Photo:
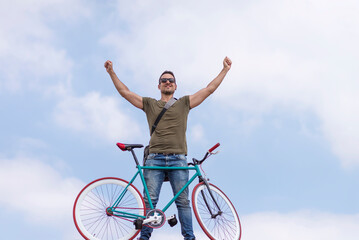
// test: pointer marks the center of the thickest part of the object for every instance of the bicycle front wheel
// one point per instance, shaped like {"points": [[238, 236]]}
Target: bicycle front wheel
{"points": [[90, 213], [219, 224]]}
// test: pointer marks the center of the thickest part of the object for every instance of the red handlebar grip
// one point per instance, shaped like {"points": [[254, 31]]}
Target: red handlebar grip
{"points": [[214, 147]]}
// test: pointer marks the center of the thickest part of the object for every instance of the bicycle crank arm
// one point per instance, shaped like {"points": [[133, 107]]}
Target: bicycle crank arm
{"points": [[152, 219], [171, 217]]}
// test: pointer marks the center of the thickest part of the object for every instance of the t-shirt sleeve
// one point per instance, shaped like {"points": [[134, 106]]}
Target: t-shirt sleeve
{"points": [[145, 103], [186, 101]]}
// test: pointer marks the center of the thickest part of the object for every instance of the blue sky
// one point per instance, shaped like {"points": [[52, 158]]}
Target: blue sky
{"points": [[286, 115]]}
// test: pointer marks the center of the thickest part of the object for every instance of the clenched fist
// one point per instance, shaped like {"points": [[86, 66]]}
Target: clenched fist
{"points": [[108, 66], [227, 63]]}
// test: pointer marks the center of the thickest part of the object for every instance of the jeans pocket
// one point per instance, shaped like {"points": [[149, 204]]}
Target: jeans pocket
{"points": [[148, 162], [182, 157], [150, 159]]}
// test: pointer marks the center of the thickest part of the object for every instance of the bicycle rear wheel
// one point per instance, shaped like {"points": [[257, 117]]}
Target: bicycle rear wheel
{"points": [[216, 225], [90, 210]]}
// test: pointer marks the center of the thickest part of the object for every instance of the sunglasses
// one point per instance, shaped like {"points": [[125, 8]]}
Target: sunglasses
{"points": [[164, 80]]}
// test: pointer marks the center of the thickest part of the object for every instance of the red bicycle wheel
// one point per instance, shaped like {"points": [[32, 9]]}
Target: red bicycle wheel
{"points": [[90, 210], [223, 224]]}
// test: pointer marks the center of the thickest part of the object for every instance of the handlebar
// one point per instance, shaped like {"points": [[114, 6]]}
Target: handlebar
{"points": [[130, 147], [208, 153], [214, 147]]}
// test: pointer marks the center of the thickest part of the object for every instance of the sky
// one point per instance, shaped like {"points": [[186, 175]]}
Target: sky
{"points": [[286, 114]]}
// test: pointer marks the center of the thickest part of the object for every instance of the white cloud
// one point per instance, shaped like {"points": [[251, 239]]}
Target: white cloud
{"points": [[300, 225], [276, 226], [298, 56], [30, 56], [96, 115], [197, 132], [37, 191]]}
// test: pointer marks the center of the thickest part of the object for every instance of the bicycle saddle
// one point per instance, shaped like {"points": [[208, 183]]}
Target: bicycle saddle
{"points": [[128, 147]]}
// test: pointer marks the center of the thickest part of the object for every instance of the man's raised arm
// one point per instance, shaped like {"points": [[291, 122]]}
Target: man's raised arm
{"points": [[197, 98], [132, 97]]}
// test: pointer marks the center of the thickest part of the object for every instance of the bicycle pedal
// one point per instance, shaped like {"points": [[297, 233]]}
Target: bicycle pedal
{"points": [[138, 223], [172, 220]]}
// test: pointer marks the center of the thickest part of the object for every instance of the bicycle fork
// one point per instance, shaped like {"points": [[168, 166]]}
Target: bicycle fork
{"points": [[213, 215]]}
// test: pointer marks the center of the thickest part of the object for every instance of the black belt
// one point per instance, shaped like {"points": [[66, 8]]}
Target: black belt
{"points": [[169, 154]]}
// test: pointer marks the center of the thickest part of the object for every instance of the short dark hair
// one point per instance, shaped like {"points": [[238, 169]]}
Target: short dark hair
{"points": [[165, 72]]}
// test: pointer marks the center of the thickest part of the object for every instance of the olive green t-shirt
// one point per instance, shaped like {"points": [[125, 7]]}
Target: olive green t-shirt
{"points": [[170, 133]]}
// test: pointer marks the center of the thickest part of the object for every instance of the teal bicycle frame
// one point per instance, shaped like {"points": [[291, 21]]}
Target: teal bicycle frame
{"points": [[123, 214], [113, 208]]}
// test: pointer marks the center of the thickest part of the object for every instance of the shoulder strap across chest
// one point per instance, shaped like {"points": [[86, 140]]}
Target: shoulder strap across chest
{"points": [[167, 106]]}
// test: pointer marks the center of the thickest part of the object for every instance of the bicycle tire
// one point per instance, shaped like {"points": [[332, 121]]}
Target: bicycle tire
{"points": [[225, 226], [90, 216]]}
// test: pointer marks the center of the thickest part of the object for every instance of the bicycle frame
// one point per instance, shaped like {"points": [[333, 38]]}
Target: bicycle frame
{"points": [[126, 212], [123, 214]]}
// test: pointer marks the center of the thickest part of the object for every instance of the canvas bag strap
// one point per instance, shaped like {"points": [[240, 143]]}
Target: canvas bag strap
{"points": [[167, 106]]}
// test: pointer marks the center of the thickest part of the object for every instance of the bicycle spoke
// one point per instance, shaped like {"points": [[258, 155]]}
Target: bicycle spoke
{"points": [[90, 210], [222, 223]]}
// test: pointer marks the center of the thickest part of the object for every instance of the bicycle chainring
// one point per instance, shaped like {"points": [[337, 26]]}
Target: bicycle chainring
{"points": [[158, 216]]}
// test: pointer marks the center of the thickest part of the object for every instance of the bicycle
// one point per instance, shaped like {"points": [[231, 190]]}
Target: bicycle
{"points": [[113, 208]]}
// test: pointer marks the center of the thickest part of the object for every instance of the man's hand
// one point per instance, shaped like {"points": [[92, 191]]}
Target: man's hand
{"points": [[132, 97], [197, 98], [227, 63], [108, 66]]}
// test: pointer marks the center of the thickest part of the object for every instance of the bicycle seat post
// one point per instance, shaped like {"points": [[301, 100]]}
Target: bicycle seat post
{"points": [[134, 156]]}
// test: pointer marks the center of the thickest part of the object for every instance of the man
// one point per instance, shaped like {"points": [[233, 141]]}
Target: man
{"points": [[168, 146]]}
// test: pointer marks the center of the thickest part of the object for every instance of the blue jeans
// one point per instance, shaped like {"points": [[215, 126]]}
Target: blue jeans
{"points": [[177, 178]]}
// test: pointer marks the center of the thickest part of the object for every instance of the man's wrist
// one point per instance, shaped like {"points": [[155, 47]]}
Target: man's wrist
{"points": [[225, 70]]}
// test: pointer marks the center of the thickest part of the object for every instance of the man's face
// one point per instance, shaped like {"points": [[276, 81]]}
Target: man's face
{"points": [[167, 87]]}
